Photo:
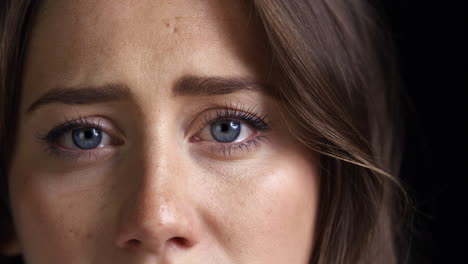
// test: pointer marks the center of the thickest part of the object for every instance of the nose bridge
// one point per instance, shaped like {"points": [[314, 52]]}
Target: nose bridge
{"points": [[159, 211], [155, 149]]}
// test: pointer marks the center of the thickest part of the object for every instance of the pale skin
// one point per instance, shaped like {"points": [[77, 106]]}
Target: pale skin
{"points": [[159, 188]]}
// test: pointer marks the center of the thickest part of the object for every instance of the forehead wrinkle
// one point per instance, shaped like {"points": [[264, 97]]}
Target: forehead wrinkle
{"points": [[96, 40]]}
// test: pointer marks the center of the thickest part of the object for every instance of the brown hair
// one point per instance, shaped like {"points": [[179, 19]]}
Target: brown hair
{"points": [[14, 28], [336, 81]]}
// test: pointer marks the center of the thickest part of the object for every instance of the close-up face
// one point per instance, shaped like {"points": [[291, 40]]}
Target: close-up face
{"points": [[148, 134]]}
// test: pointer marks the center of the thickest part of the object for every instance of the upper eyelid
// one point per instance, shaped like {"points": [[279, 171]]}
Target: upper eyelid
{"points": [[65, 127], [235, 114], [206, 115], [239, 114]]}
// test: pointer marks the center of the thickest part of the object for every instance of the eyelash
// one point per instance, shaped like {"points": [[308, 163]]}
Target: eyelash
{"points": [[256, 120], [56, 133], [51, 138]]}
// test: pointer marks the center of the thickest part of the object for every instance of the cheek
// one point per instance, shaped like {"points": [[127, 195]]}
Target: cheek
{"points": [[53, 221], [288, 204], [287, 208], [273, 216]]}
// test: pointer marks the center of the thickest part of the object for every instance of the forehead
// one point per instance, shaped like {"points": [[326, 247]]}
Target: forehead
{"points": [[93, 41], [98, 19]]}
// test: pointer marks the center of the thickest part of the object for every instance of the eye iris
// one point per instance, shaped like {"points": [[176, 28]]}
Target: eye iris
{"points": [[225, 130], [87, 138]]}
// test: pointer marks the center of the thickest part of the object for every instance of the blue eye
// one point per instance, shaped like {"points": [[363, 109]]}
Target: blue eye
{"points": [[225, 130], [87, 138]]}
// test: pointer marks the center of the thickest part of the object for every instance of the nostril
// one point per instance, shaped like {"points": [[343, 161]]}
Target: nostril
{"points": [[175, 241], [134, 243], [180, 241]]}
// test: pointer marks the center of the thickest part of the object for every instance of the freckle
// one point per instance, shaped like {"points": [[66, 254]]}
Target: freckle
{"points": [[72, 232], [167, 24], [89, 236]]}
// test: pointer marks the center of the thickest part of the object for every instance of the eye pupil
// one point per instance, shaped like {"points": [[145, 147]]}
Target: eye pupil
{"points": [[224, 127], [225, 130], [87, 138], [88, 134]]}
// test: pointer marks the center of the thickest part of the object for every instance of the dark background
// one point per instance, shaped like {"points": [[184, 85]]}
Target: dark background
{"points": [[432, 59]]}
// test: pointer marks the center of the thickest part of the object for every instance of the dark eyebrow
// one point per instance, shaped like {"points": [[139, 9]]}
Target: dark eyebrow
{"points": [[83, 95], [185, 86], [206, 86]]}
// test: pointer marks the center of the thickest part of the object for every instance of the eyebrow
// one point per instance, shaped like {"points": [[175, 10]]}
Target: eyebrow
{"points": [[208, 86], [82, 95], [185, 86]]}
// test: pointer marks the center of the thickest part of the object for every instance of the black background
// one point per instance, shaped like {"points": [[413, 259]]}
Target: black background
{"points": [[432, 59]]}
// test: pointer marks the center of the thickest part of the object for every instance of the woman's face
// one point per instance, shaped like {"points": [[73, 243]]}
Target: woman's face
{"points": [[147, 135]]}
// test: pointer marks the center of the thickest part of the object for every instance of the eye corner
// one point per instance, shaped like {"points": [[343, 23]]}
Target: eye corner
{"points": [[194, 139]]}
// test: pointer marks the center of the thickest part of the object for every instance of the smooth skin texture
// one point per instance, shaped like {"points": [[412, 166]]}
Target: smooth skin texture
{"points": [[159, 189]]}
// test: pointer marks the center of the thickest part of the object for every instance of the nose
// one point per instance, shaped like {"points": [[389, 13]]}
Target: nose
{"points": [[159, 215]]}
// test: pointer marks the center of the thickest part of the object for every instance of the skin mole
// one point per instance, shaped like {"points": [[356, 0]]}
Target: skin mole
{"points": [[171, 24]]}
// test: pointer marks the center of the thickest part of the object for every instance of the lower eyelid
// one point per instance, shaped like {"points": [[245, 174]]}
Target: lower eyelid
{"points": [[58, 151], [233, 150], [80, 156]]}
